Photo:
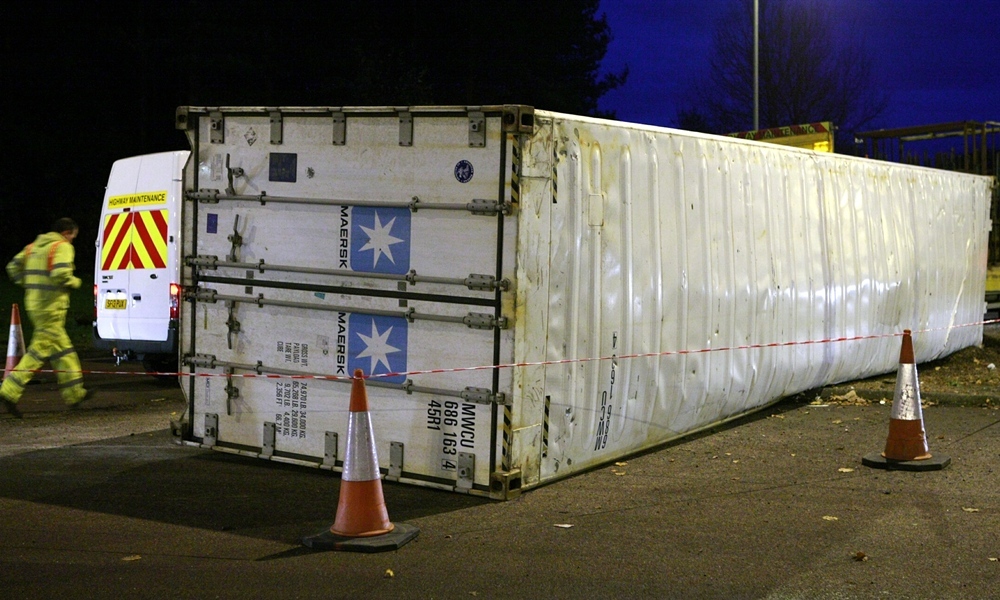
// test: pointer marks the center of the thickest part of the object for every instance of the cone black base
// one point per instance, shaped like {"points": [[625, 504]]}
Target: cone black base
{"points": [[875, 460], [394, 540]]}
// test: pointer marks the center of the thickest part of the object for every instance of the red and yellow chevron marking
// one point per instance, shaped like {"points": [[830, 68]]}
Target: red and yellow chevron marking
{"points": [[134, 240]]}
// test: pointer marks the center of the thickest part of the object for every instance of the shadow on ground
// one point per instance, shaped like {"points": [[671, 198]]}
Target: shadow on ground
{"points": [[149, 477]]}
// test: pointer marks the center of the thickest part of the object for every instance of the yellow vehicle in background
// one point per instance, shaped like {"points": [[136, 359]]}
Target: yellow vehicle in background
{"points": [[993, 289], [811, 136]]}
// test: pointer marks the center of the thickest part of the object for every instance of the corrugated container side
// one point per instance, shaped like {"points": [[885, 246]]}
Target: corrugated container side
{"points": [[690, 254]]}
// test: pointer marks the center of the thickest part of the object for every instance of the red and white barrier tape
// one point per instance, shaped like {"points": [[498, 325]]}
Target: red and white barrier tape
{"points": [[564, 361]]}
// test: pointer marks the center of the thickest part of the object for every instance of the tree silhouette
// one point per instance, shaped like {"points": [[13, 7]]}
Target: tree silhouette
{"points": [[92, 82], [806, 72]]}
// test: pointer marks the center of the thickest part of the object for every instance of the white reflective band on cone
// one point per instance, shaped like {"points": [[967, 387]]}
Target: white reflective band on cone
{"points": [[361, 462], [906, 401]]}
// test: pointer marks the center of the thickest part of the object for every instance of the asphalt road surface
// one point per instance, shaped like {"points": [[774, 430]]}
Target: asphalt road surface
{"points": [[102, 503]]}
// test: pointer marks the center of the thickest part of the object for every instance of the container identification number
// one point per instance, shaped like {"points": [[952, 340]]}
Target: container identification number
{"points": [[457, 424]]}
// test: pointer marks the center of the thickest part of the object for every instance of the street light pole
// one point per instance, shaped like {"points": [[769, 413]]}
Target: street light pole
{"points": [[756, 65]]}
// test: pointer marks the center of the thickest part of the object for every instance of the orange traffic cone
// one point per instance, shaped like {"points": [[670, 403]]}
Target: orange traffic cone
{"points": [[906, 447], [15, 342], [362, 522]]}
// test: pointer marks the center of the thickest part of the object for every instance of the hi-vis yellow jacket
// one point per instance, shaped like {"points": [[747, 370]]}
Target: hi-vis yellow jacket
{"points": [[45, 270]]}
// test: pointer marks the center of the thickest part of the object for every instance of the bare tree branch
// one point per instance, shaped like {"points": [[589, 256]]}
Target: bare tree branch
{"points": [[807, 73]]}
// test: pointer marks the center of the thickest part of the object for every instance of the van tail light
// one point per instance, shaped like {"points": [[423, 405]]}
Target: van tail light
{"points": [[175, 300], [95, 301]]}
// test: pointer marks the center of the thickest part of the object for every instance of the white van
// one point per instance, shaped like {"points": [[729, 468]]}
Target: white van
{"points": [[137, 265]]}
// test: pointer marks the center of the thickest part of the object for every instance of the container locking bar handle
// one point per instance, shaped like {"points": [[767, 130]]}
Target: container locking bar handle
{"points": [[471, 320], [476, 207], [472, 395], [236, 239], [474, 281]]}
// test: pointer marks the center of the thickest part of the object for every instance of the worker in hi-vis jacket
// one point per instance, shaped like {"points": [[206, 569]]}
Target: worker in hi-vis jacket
{"points": [[45, 270]]}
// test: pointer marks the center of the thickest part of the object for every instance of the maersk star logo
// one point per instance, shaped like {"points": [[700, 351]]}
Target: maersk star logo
{"points": [[380, 239], [377, 345]]}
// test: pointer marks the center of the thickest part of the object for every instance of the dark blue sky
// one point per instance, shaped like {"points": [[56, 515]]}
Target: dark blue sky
{"points": [[939, 59]]}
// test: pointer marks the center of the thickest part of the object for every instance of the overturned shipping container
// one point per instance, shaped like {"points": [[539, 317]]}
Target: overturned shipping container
{"points": [[534, 293]]}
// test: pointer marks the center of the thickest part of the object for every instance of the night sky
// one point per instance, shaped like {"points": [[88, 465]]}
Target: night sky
{"points": [[80, 90], [938, 59]]}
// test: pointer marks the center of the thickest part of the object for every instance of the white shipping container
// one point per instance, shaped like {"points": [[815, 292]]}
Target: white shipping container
{"points": [[533, 293]]}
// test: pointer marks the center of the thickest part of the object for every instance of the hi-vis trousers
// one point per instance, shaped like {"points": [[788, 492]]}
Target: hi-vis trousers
{"points": [[48, 342]]}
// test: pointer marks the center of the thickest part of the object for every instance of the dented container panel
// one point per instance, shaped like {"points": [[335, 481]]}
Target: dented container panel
{"points": [[692, 265]]}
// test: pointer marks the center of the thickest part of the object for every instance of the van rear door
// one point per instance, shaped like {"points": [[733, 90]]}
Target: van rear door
{"points": [[136, 259]]}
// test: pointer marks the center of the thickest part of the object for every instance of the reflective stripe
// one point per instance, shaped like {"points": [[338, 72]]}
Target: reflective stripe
{"points": [[35, 355], [14, 381], [906, 401], [52, 251], [42, 286], [361, 461], [69, 384], [38, 272], [63, 353], [62, 266]]}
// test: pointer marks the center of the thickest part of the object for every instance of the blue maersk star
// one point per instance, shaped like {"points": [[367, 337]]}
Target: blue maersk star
{"points": [[377, 347], [380, 238]]}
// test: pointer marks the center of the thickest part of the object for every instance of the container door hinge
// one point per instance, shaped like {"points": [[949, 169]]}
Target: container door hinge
{"points": [[485, 283], [477, 129], [395, 461], [204, 196], [217, 127], [489, 208], [276, 128], [207, 296], [267, 444], [205, 261], [339, 129], [484, 321], [405, 128], [202, 360], [330, 449], [477, 395], [211, 429], [466, 471]]}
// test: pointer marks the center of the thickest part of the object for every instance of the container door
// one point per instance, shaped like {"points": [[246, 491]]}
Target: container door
{"points": [[369, 242]]}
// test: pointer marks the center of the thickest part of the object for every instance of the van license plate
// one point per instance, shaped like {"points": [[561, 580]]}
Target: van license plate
{"points": [[114, 304]]}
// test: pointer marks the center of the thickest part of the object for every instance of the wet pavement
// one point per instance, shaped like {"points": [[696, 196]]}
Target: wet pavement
{"points": [[102, 502]]}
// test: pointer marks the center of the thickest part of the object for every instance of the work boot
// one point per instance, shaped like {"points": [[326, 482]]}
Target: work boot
{"points": [[11, 406], [76, 403]]}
